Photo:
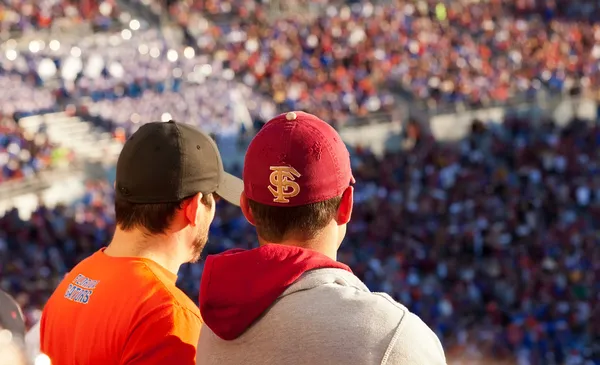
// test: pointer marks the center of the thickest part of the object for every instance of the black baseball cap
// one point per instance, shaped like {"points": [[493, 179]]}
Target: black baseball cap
{"points": [[11, 317], [167, 162]]}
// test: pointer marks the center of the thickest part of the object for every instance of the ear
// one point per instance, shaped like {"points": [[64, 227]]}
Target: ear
{"points": [[246, 209], [190, 209], [344, 212]]}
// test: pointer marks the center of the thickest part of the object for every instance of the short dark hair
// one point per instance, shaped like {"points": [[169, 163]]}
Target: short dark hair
{"points": [[153, 218], [275, 224]]}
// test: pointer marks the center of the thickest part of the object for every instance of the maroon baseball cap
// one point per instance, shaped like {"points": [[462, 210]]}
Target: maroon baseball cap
{"points": [[296, 159]]}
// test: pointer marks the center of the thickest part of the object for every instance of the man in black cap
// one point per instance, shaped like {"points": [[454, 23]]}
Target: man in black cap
{"points": [[121, 305]]}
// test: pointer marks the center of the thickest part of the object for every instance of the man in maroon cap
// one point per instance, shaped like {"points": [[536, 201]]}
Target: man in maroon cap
{"points": [[289, 301]]}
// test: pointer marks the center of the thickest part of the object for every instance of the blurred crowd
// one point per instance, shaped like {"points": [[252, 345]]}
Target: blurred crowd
{"points": [[19, 95], [22, 154], [181, 10], [340, 63], [498, 248], [338, 59], [471, 52], [494, 241], [324, 66], [33, 253], [28, 15], [210, 105], [119, 77]]}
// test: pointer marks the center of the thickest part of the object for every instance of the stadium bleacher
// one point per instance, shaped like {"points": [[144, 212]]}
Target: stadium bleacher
{"points": [[21, 154], [25, 152], [491, 239], [493, 52]]}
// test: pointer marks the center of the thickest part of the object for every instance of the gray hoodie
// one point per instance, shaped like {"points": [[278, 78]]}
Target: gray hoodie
{"points": [[285, 305]]}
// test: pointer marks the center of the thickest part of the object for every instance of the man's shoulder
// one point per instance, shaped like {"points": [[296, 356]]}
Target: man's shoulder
{"points": [[134, 285], [343, 313], [343, 286], [375, 320], [375, 308], [375, 311], [414, 342], [334, 293], [60, 292], [161, 293]]}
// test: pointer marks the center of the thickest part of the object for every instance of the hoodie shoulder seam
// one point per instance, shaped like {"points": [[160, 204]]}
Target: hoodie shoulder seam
{"points": [[394, 339], [348, 283], [340, 280], [391, 301]]}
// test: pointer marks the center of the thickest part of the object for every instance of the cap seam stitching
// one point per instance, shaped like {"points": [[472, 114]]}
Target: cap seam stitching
{"points": [[132, 153], [331, 154], [289, 139]]}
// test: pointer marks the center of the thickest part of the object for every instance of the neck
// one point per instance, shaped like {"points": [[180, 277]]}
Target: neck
{"points": [[325, 243], [158, 248]]}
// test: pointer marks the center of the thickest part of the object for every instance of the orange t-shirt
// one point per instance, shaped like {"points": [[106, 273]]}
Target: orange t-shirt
{"points": [[119, 310]]}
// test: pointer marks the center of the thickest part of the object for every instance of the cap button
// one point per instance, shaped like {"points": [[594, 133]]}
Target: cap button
{"points": [[291, 116]]}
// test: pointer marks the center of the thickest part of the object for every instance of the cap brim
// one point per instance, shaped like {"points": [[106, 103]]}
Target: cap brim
{"points": [[231, 189]]}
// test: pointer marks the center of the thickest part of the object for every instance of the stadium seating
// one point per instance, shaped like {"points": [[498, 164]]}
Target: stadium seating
{"points": [[81, 137], [23, 153], [438, 53], [123, 74]]}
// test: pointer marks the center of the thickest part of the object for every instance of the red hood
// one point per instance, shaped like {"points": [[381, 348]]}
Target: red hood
{"points": [[239, 285]]}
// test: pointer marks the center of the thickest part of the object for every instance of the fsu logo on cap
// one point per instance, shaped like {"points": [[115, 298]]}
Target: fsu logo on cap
{"points": [[283, 185]]}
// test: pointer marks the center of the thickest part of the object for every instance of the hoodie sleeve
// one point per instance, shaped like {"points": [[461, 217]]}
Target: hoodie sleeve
{"points": [[414, 343]]}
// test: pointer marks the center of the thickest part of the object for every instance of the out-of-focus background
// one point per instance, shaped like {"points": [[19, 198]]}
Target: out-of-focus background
{"points": [[473, 126]]}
